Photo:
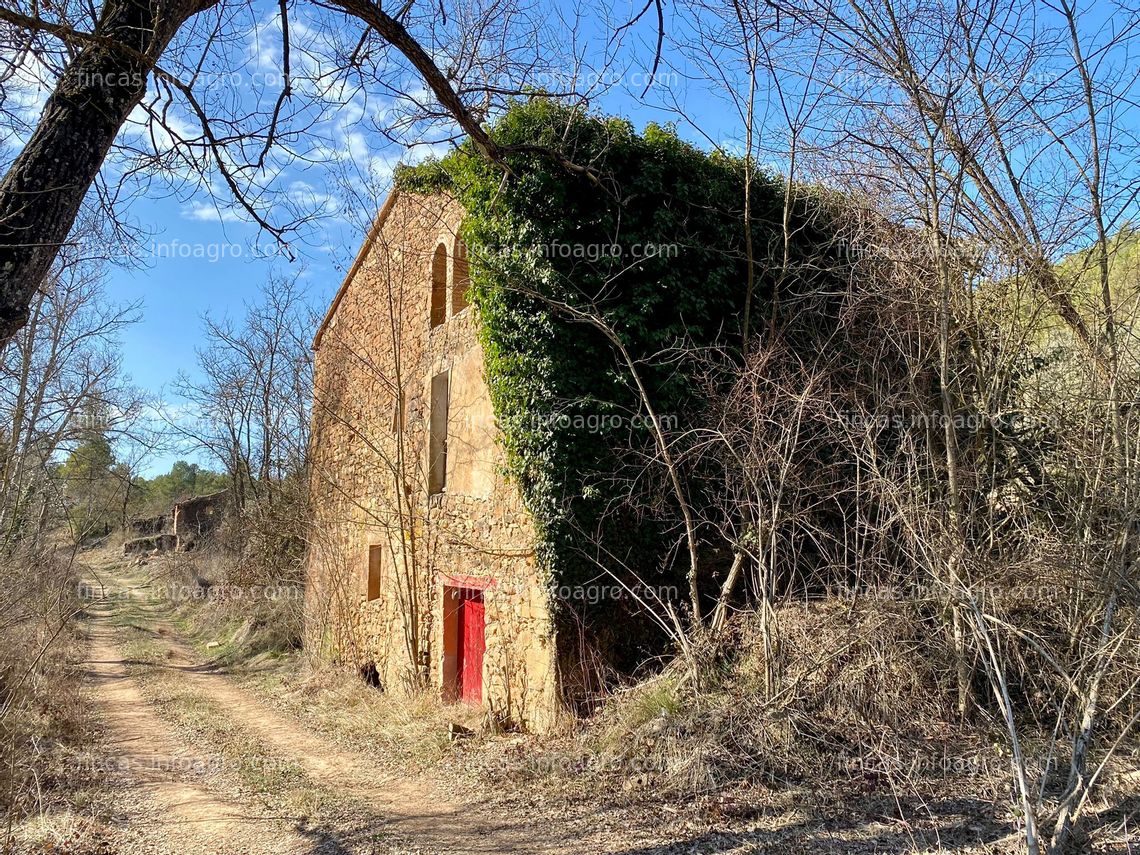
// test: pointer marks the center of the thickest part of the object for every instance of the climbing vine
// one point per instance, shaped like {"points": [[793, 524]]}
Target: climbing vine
{"points": [[655, 249]]}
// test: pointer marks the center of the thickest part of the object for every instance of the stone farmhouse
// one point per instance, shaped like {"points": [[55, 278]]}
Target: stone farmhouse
{"points": [[422, 571]]}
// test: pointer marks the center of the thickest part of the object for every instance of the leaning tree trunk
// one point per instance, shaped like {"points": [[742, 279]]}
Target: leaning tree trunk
{"points": [[42, 192]]}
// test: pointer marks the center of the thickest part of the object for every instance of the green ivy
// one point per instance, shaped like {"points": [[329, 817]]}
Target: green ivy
{"points": [[534, 228]]}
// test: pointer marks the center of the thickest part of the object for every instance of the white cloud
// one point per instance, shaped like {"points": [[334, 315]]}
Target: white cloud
{"points": [[206, 212]]}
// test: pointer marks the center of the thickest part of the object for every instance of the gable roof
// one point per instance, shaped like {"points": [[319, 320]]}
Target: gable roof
{"points": [[373, 232]]}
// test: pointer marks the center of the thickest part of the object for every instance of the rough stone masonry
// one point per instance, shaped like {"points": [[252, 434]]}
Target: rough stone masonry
{"points": [[418, 538]]}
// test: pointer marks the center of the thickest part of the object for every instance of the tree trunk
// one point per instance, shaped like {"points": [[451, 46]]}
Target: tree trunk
{"points": [[46, 184]]}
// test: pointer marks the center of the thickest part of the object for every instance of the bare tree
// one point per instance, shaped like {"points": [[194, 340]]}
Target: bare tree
{"points": [[249, 408], [981, 125], [61, 377], [471, 57]]}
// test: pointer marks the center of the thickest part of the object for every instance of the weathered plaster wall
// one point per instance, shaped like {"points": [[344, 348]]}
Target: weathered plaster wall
{"points": [[375, 360]]}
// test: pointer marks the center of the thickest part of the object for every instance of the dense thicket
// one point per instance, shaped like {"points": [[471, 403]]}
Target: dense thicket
{"points": [[644, 250]]}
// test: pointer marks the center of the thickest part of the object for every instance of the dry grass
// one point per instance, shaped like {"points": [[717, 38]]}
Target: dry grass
{"points": [[45, 715], [859, 723], [851, 684], [410, 731], [256, 635], [860, 702], [246, 624], [859, 717], [860, 697]]}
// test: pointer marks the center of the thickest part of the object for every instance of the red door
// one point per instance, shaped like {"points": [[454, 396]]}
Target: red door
{"points": [[469, 658]]}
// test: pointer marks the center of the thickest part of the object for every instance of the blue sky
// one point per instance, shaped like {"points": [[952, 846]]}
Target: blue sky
{"points": [[201, 253], [194, 266]]}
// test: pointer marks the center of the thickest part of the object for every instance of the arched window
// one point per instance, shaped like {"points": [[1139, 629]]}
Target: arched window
{"points": [[460, 280], [439, 286]]}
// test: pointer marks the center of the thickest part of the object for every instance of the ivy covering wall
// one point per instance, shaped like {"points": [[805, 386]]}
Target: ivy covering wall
{"points": [[655, 245]]}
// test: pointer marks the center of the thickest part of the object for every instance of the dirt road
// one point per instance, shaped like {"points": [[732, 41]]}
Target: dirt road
{"points": [[183, 793], [163, 803]]}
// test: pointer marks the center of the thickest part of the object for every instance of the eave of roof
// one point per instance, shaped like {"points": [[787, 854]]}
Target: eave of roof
{"points": [[373, 232]]}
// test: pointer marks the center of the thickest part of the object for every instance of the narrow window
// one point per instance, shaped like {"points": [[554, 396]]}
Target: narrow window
{"points": [[398, 412], [437, 439], [460, 279], [439, 286], [375, 566]]}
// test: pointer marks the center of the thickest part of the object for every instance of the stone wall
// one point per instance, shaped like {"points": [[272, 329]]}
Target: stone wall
{"points": [[147, 526], [198, 517], [376, 355], [187, 522], [150, 544]]}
